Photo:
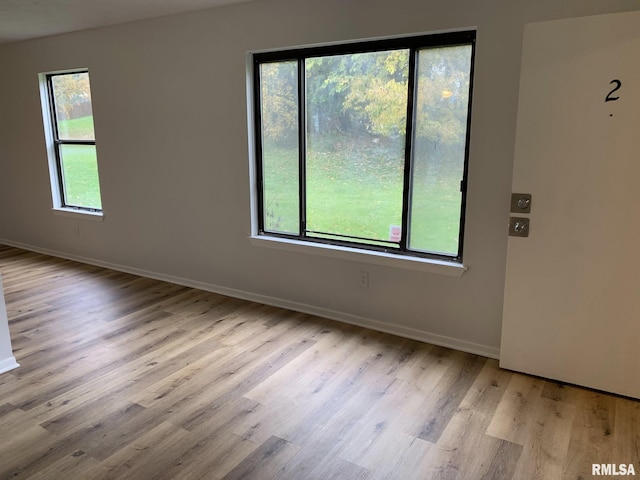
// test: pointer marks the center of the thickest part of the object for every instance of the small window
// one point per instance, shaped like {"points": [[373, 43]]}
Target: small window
{"points": [[72, 144], [365, 145]]}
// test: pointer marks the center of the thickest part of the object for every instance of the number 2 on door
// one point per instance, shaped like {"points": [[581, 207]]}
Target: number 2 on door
{"points": [[610, 97]]}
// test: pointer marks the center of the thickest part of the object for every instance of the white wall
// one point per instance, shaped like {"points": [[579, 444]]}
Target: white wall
{"points": [[169, 99]]}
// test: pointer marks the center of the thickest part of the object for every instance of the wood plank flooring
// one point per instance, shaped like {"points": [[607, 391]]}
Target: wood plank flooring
{"points": [[125, 377]]}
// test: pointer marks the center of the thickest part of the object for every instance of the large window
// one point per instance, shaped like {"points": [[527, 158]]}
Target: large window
{"points": [[69, 126], [365, 144]]}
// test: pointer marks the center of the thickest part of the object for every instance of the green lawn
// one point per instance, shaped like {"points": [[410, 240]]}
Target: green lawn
{"points": [[356, 190], [76, 128], [353, 188], [79, 164]]}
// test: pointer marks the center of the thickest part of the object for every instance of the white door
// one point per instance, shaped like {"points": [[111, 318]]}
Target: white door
{"points": [[572, 295]]}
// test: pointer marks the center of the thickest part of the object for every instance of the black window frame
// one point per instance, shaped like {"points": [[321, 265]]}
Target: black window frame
{"points": [[414, 44], [58, 142]]}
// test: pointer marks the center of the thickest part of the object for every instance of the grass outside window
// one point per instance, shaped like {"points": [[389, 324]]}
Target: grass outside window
{"points": [[366, 145], [69, 115]]}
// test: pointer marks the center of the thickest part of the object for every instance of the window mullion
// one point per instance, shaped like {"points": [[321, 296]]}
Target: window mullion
{"points": [[465, 172], [408, 148], [257, 106], [75, 142], [56, 140], [52, 109], [302, 148]]}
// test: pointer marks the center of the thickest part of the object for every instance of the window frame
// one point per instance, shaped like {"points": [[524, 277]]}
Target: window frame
{"points": [[55, 144], [413, 44]]}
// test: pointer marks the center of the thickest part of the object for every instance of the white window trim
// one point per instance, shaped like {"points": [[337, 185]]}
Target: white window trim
{"points": [[406, 262], [441, 267], [47, 121], [81, 214]]}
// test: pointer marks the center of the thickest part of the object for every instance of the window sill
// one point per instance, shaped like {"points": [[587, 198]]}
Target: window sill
{"points": [[83, 214], [440, 267]]}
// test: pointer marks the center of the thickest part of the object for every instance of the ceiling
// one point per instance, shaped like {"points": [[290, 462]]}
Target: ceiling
{"points": [[25, 19]]}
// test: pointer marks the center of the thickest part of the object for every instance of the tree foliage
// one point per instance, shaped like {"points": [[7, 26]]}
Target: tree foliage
{"points": [[70, 91], [279, 94], [367, 93], [378, 93], [443, 94]]}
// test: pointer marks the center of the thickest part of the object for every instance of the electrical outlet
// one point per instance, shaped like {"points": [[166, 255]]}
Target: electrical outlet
{"points": [[364, 279]]}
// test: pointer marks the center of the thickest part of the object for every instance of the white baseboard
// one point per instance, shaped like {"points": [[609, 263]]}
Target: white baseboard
{"points": [[402, 331], [8, 364]]}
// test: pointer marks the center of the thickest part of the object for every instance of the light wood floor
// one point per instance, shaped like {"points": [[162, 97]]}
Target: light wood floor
{"points": [[124, 377]]}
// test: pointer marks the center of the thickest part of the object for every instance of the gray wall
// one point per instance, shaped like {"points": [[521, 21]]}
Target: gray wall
{"points": [[169, 98]]}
